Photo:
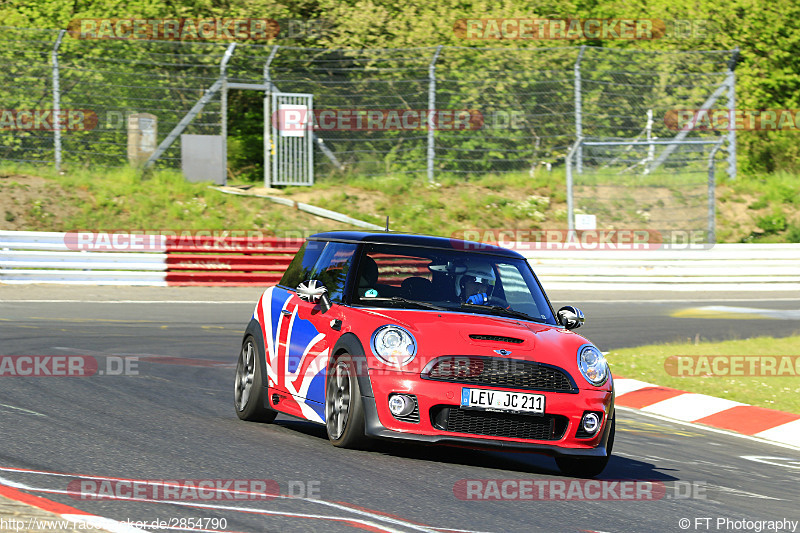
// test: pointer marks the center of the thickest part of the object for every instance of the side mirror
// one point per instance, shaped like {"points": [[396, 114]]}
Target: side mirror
{"points": [[570, 317], [313, 291]]}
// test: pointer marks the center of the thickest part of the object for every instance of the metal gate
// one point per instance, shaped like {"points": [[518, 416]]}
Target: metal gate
{"points": [[289, 151]]}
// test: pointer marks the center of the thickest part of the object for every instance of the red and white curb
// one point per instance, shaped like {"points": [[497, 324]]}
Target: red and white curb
{"points": [[65, 512], [759, 422]]}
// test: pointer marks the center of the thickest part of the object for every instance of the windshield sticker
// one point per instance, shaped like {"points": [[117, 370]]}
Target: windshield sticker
{"points": [[371, 293]]}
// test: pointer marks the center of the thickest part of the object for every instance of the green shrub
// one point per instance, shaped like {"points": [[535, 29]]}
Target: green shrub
{"points": [[772, 223], [793, 234]]}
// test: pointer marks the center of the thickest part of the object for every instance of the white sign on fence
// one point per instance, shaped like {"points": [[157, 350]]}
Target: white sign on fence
{"points": [[585, 222], [293, 120]]}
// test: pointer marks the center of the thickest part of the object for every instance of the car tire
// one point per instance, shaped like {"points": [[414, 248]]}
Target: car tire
{"points": [[249, 392], [344, 410], [587, 466]]}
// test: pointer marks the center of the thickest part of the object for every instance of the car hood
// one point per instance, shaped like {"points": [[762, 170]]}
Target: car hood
{"points": [[453, 333]]}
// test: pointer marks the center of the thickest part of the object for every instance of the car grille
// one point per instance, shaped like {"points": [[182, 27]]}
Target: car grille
{"points": [[496, 372], [509, 425]]}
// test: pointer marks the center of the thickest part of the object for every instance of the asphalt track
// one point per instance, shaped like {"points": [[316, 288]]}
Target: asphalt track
{"points": [[172, 419]]}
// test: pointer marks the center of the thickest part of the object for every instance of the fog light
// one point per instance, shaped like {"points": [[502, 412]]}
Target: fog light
{"points": [[401, 405], [590, 422]]}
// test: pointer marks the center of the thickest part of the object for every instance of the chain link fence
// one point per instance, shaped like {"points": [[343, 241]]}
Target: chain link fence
{"points": [[526, 105], [623, 185], [96, 86]]}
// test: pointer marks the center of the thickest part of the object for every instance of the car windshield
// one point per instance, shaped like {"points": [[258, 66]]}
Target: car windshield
{"points": [[452, 280]]}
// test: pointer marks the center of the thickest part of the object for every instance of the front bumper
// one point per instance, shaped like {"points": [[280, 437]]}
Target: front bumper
{"points": [[433, 395]]}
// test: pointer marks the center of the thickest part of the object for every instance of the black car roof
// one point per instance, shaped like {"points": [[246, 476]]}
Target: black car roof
{"points": [[412, 239]]}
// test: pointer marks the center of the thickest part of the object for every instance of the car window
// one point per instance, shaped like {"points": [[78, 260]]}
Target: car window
{"points": [[433, 276], [393, 272], [517, 293], [332, 267], [301, 267]]}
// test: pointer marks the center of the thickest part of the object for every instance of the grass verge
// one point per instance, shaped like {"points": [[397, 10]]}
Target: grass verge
{"points": [[764, 208], [648, 363], [38, 199]]}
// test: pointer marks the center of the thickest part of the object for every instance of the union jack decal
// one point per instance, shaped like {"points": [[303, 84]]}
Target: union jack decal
{"points": [[297, 353]]}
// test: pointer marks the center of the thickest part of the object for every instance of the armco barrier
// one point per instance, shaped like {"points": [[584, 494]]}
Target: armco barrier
{"points": [[229, 261], [37, 257], [723, 266], [44, 257]]}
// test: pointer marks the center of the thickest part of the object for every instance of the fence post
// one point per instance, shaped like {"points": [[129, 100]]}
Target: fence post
{"points": [[268, 117], [57, 103], [712, 188], [731, 81], [578, 108], [432, 111], [223, 75], [570, 203], [651, 150]]}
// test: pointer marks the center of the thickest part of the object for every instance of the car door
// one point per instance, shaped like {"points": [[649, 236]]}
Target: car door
{"points": [[274, 312], [308, 330]]}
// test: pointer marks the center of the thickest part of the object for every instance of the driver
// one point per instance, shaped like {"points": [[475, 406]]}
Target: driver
{"points": [[476, 285]]}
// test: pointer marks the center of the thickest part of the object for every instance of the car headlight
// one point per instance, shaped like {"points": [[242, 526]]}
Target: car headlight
{"points": [[593, 365], [393, 345]]}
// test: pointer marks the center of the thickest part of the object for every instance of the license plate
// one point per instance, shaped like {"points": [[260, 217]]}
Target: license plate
{"points": [[518, 402]]}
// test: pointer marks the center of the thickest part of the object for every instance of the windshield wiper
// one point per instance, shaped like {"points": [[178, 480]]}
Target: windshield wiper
{"points": [[426, 305], [518, 314]]}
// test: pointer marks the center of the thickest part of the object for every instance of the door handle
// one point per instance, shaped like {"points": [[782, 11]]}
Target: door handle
{"points": [[286, 312]]}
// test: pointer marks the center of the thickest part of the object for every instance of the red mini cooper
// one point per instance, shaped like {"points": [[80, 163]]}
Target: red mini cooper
{"points": [[398, 336]]}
